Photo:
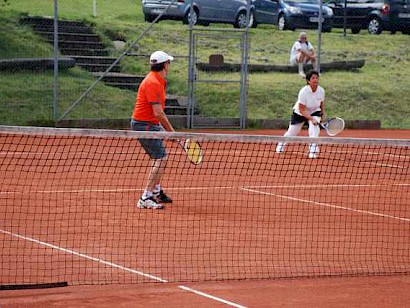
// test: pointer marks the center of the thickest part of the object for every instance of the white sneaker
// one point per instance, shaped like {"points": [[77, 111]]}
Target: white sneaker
{"points": [[312, 155], [149, 203]]}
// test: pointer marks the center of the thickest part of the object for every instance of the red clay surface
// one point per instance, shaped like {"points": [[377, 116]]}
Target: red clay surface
{"points": [[383, 291]]}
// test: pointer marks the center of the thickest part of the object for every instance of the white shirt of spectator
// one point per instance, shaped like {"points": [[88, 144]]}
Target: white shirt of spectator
{"points": [[295, 49]]}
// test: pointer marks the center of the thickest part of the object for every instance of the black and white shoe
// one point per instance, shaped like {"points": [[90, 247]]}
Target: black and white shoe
{"points": [[149, 203], [161, 197]]}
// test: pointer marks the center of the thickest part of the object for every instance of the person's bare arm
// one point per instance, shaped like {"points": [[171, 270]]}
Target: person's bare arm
{"points": [[305, 113], [162, 117]]}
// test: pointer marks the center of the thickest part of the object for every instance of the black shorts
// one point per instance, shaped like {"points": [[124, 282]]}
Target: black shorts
{"points": [[153, 147], [297, 118]]}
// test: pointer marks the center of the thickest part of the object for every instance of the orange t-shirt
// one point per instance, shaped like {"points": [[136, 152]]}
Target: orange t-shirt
{"points": [[151, 91]]}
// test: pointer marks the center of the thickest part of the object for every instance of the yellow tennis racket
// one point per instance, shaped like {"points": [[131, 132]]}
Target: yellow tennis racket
{"points": [[193, 150]]}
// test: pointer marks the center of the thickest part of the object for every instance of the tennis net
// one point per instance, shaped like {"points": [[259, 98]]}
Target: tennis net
{"points": [[68, 208]]}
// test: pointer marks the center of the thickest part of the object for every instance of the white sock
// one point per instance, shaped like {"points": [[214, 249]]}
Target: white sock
{"points": [[146, 194], [157, 188], [301, 68]]}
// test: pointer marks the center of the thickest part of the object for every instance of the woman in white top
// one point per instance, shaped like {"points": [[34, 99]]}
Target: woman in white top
{"points": [[309, 108], [302, 52]]}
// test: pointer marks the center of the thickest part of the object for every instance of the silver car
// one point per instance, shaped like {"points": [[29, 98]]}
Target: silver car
{"points": [[204, 11]]}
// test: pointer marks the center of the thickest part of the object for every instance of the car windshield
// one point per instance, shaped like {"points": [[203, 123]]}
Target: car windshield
{"points": [[305, 1]]}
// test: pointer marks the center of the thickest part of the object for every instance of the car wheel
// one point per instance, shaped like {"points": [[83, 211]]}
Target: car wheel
{"points": [[149, 18], [241, 20], [254, 24], [356, 30], [375, 26], [187, 18], [282, 25]]}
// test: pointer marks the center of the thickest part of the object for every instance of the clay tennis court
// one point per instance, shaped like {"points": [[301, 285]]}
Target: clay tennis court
{"points": [[111, 249]]}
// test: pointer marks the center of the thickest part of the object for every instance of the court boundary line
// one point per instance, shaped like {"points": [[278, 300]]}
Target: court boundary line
{"points": [[120, 190], [328, 205], [120, 267]]}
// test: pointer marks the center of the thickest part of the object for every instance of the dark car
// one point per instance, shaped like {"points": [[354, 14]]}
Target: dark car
{"points": [[204, 11], [292, 14], [373, 15]]}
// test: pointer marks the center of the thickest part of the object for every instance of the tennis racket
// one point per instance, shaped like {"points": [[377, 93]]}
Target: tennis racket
{"points": [[333, 126], [193, 150]]}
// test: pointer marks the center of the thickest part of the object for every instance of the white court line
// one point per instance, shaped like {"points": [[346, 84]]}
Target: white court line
{"points": [[328, 205], [388, 154], [385, 165], [210, 296], [120, 267], [326, 185], [116, 190], [120, 190]]}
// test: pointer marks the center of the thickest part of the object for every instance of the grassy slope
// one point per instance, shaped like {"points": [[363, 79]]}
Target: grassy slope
{"points": [[377, 91]]}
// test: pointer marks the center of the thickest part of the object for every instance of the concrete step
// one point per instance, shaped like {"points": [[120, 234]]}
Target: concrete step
{"points": [[94, 60], [176, 105], [79, 45], [45, 24], [120, 78], [176, 110], [123, 85], [84, 52], [121, 81], [99, 67], [64, 36]]}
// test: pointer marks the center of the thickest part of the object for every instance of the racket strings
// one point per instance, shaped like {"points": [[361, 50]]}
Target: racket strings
{"points": [[193, 150], [335, 126]]}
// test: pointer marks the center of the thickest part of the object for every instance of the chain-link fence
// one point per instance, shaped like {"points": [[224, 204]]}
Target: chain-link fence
{"points": [[231, 68]]}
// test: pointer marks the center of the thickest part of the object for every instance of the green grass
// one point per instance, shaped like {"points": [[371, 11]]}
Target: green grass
{"points": [[378, 91]]}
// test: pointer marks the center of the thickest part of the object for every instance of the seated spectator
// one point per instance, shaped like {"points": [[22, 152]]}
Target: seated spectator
{"points": [[302, 53]]}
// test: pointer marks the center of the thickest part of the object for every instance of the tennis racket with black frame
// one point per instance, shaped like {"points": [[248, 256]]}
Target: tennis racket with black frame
{"points": [[333, 126], [193, 150]]}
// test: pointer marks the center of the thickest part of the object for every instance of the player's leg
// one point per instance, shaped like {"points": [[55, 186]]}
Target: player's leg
{"points": [[153, 193], [156, 150], [314, 131], [155, 184], [293, 130]]}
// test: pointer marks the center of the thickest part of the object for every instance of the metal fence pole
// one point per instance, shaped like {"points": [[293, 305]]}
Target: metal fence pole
{"points": [[56, 56], [319, 33], [191, 72], [244, 70], [95, 8]]}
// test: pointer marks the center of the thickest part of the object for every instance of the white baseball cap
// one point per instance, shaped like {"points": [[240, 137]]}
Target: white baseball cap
{"points": [[160, 57]]}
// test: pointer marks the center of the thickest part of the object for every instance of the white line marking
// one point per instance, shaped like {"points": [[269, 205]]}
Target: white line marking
{"points": [[329, 205], [385, 165], [211, 297], [81, 255], [120, 267], [388, 154], [119, 190]]}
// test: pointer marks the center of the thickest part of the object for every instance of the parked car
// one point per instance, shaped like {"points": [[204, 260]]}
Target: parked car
{"points": [[373, 15], [292, 14], [204, 11]]}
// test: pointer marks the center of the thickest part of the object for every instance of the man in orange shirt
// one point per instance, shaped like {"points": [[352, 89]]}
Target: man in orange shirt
{"points": [[149, 115]]}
